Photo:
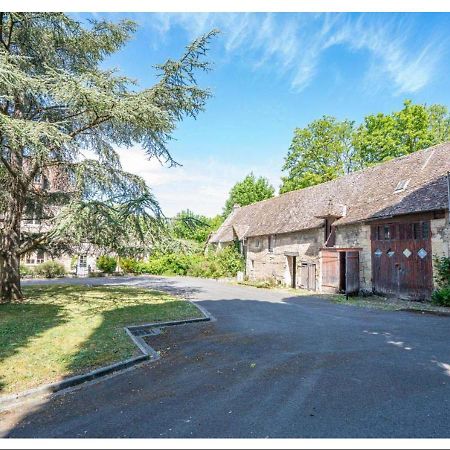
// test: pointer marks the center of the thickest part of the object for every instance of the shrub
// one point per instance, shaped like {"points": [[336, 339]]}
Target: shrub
{"points": [[26, 271], [224, 263], [129, 265], [441, 296], [106, 264], [49, 269]]}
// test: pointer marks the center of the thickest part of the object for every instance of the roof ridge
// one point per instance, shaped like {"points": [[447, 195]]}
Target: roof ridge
{"points": [[350, 174]]}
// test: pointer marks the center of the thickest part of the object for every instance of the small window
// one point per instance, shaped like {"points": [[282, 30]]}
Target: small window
{"points": [[252, 264], [83, 261], [401, 185], [425, 230], [416, 231], [30, 260], [379, 233], [40, 257], [270, 244], [37, 178], [387, 232], [257, 243]]}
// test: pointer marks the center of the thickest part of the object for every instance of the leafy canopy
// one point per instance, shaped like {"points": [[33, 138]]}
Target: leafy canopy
{"points": [[194, 227], [319, 152], [247, 191], [327, 148]]}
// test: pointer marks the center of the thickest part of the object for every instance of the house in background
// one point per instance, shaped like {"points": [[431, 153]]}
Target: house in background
{"points": [[375, 230], [53, 180]]}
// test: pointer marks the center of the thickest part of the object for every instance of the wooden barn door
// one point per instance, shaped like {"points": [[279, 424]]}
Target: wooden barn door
{"points": [[402, 259], [330, 270], [351, 272], [307, 276]]}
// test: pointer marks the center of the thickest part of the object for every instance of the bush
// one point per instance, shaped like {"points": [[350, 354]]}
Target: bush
{"points": [[49, 269], [26, 271], [106, 264], [129, 265], [441, 296], [224, 263]]}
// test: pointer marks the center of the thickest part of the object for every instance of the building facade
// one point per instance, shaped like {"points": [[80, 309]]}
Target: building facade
{"points": [[377, 230]]}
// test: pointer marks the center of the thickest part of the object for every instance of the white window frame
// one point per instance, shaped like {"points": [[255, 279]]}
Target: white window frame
{"points": [[38, 259], [81, 264]]}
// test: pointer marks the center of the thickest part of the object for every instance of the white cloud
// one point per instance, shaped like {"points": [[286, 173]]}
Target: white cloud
{"points": [[201, 186], [293, 44]]}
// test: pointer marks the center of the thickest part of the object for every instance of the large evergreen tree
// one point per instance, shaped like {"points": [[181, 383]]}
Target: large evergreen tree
{"points": [[56, 103]]}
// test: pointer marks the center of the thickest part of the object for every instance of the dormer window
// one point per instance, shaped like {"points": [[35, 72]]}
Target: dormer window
{"points": [[401, 185]]}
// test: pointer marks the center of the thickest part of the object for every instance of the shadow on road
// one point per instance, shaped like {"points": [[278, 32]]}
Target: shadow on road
{"points": [[288, 368]]}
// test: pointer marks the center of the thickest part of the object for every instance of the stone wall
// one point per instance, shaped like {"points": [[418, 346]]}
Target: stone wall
{"points": [[358, 236], [262, 264], [440, 239]]}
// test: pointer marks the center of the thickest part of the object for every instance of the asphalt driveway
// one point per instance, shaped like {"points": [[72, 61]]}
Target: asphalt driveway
{"points": [[271, 366]]}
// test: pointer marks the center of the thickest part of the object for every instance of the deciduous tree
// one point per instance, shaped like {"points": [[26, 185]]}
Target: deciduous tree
{"points": [[319, 152], [247, 191]]}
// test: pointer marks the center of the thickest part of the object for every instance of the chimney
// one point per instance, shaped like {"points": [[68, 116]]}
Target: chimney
{"points": [[235, 207]]}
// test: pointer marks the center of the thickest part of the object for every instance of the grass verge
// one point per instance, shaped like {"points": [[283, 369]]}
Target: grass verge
{"points": [[370, 301], [63, 330]]}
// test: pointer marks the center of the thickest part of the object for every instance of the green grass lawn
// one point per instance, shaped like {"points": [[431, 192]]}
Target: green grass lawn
{"points": [[63, 330]]}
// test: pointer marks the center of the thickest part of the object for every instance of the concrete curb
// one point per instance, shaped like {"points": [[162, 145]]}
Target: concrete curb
{"points": [[136, 334], [426, 311]]}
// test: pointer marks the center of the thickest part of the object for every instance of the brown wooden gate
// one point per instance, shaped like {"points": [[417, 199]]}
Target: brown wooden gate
{"points": [[402, 259]]}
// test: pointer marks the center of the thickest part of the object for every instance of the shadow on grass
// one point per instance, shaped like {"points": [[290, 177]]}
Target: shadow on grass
{"points": [[109, 343], [21, 322], [272, 356]]}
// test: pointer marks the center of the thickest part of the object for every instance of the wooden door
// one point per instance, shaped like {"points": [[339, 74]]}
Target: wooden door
{"points": [[330, 270], [351, 272], [307, 276], [402, 259]]}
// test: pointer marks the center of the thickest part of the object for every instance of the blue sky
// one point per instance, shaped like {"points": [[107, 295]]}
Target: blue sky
{"points": [[272, 73]]}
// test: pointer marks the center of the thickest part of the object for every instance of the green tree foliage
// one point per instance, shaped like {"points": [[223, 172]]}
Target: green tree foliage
{"points": [[327, 148], [248, 191], [56, 102], [382, 137], [319, 152], [194, 227]]}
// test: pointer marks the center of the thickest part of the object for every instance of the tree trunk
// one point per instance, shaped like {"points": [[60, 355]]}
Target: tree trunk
{"points": [[10, 289]]}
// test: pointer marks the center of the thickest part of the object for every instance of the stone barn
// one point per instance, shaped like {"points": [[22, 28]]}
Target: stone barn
{"points": [[375, 230]]}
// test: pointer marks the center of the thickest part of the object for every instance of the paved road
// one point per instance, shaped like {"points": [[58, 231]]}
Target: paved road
{"points": [[271, 366]]}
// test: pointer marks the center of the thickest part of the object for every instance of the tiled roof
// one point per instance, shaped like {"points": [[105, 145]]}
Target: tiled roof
{"points": [[363, 195]]}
